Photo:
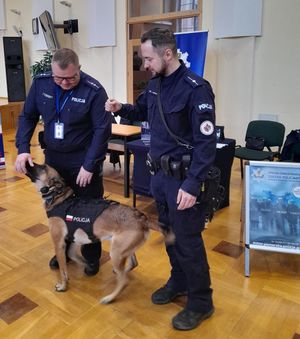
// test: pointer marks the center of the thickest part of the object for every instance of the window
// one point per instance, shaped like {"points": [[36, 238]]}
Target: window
{"points": [[177, 15]]}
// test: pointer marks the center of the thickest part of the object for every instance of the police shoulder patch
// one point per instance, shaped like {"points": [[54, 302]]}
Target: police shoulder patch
{"points": [[207, 127], [205, 107]]}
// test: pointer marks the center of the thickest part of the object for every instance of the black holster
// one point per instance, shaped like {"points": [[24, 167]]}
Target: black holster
{"points": [[212, 193], [165, 164]]}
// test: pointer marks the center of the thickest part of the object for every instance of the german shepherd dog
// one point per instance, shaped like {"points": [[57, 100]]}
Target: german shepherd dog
{"points": [[127, 228]]}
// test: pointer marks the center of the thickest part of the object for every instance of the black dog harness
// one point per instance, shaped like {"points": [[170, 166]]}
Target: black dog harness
{"points": [[80, 213]]}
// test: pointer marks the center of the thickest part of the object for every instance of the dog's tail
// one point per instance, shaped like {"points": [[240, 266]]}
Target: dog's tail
{"points": [[169, 236]]}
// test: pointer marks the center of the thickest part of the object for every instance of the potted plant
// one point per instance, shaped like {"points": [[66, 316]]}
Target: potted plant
{"points": [[41, 66]]}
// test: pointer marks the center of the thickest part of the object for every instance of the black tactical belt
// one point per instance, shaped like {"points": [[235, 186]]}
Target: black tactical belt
{"points": [[173, 168]]}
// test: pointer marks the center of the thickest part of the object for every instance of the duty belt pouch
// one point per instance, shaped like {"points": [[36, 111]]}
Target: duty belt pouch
{"points": [[165, 164], [186, 161], [176, 169]]}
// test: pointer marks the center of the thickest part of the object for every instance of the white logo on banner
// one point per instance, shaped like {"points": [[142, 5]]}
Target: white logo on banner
{"points": [[183, 56]]}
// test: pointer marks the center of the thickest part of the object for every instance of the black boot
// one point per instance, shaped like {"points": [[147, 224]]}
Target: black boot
{"points": [[92, 268], [53, 263], [165, 295], [92, 254], [187, 320]]}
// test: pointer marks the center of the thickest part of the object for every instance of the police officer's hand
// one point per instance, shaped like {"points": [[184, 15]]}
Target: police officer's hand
{"points": [[20, 163], [185, 200], [84, 177], [112, 105]]}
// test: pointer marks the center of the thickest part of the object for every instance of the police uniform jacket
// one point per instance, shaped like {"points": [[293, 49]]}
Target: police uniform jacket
{"points": [[189, 110], [86, 124]]}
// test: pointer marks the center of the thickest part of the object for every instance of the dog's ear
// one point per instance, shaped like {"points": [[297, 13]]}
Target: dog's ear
{"points": [[32, 171], [29, 171]]}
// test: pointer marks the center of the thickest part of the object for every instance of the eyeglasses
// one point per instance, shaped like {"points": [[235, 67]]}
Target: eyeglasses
{"points": [[67, 79]]}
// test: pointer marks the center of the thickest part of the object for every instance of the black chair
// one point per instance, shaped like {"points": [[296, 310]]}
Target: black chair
{"points": [[272, 134]]}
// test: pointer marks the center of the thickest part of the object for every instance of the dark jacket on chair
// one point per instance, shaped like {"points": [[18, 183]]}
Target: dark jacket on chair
{"points": [[291, 140]]}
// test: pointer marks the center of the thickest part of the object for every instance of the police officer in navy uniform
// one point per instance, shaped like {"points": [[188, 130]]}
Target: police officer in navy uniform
{"points": [[189, 110], [76, 132]]}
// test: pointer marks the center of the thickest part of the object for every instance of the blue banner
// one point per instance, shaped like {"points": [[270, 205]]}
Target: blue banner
{"points": [[191, 47]]}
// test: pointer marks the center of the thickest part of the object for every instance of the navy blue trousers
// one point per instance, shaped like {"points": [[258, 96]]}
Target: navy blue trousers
{"points": [[190, 269], [68, 166]]}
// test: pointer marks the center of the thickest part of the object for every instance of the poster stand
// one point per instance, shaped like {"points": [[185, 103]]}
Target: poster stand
{"points": [[272, 208]]}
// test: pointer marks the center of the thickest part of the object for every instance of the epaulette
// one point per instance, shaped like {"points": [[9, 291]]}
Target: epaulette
{"points": [[92, 84], [194, 81], [43, 75]]}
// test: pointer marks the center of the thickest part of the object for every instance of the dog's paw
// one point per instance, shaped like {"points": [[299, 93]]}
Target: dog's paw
{"points": [[60, 287], [106, 300]]}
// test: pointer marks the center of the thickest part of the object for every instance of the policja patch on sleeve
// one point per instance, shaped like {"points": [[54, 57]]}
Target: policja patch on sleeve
{"points": [[207, 127]]}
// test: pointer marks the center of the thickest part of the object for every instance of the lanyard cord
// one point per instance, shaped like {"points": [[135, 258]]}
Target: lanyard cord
{"points": [[58, 96], [179, 141]]}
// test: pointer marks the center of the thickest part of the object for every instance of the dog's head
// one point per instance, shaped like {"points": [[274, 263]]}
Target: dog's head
{"points": [[47, 181]]}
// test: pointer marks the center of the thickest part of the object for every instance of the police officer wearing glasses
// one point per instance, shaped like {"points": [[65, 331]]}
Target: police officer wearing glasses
{"points": [[76, 131], [178, 168]]}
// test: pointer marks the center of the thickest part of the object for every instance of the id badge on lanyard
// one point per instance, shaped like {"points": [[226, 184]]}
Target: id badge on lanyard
{"points": [[59, 130], [59, 126]]}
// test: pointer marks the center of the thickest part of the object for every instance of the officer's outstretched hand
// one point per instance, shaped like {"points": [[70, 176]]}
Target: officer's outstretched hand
{"points": [[84, 177], [112, 105], [20, 163], [185, 200]]}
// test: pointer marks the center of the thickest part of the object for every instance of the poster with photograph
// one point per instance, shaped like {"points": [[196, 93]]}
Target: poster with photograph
{"points": [[273, 206], [2, 159]]}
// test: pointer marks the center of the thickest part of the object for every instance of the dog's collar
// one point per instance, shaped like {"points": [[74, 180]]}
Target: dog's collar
{"points": [[50, 195], [49, 200]]}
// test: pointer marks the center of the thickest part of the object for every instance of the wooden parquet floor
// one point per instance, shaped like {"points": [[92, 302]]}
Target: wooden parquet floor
{"points": [[266, 305]]}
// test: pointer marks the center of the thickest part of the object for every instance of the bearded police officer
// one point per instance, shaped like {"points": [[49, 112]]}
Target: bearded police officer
{"points": [[179, 164], [76, 132]]}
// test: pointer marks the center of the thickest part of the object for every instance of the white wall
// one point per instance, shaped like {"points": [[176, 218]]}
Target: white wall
{"points": [[277, 70], [98, 62], [251, 76], [257, 76]]}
